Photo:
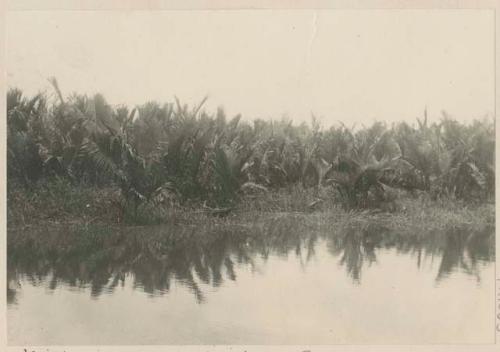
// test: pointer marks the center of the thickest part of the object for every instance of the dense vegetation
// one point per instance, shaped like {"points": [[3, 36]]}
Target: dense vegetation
{"points": [[171, 155]]}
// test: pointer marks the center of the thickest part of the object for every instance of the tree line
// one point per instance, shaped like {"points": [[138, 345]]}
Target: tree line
{"points": [[154, 151]]}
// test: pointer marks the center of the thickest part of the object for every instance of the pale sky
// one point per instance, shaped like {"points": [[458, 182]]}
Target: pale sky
{"points": [[350, 66]]}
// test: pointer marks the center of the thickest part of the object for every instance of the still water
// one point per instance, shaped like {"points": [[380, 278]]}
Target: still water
{"points": [[285, 280]]}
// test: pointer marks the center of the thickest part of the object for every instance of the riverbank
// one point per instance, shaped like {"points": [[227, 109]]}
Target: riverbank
{"points": [[60, 203]]}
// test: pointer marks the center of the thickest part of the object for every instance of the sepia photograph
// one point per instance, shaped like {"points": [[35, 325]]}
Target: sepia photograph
{"points": [[250, 177]]}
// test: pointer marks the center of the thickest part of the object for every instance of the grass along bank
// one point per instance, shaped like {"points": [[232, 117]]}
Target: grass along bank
{"points": [[60, 203]]}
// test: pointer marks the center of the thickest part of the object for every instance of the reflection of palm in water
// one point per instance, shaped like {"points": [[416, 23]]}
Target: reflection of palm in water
{"points": [[196, 257], [458, 248], [355, 246], [463, 251]]}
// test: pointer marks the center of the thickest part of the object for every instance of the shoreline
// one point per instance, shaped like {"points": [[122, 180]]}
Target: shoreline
{"points": [[65, 205]]}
